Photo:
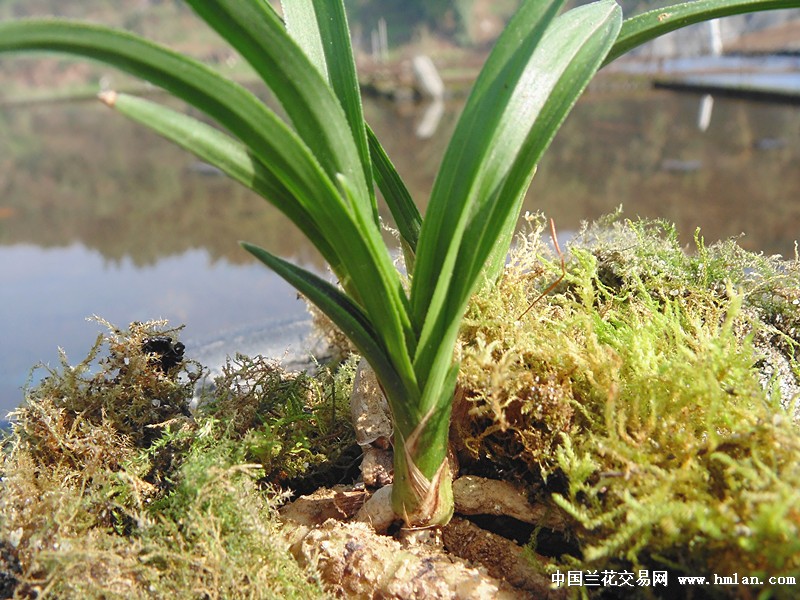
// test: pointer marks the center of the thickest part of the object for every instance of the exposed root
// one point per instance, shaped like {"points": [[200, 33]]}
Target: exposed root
{"points": [[480, 496], [372, 422], [501, 557], [414, 569], [314, 509], [377, 512]]}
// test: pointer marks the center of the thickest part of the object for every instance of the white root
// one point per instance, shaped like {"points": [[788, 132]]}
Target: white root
{"points": [[377, 511], [480, 496], [372, 421]]}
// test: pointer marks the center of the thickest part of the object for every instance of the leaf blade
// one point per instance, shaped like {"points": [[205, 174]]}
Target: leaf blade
{"points": [[277, 147], [560, 66], [652, 24], [227, 154], [454, 193], [253, 28], [404, 211], [320, 28], [346, 315]]}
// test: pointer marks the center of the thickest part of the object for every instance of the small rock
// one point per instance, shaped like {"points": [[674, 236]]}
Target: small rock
{"points": [[372, 421]]}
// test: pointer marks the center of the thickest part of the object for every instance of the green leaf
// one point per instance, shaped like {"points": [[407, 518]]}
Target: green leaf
{"points": [[652, 24], [538, 85], [320, 28], [348, 317], [355, 238], [253, 28], [275, 145], [398, 199], [255, 31], [571, 53], [382, 293], [456, 190], [371, 279], [301, 22]]}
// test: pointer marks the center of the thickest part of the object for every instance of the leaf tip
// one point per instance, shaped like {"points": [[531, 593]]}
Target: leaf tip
{"points": [[109, 98]]}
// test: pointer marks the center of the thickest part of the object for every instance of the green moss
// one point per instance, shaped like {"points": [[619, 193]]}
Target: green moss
{"points": [[120, 381], [297, 427], [651, 398], [112, 488], [214, 535]]}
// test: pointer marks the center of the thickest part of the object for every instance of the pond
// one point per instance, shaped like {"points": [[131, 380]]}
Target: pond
{"points": [[98, 216]]}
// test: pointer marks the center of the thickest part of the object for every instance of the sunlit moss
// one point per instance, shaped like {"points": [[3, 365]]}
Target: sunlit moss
{"points": [[122, 381], [651, 397], [292, 424], [112, 488]]}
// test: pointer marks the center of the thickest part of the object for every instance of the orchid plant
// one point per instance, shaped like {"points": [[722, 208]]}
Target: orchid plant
{"points": [[322, 164]]}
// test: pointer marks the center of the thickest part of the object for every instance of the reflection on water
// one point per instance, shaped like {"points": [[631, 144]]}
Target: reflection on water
{"points": [[78, 173], [98, 216], [47, 293], [647, 153], [739, 176]]}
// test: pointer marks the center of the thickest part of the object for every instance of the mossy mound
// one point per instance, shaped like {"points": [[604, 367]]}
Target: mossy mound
{"points": [[296, 426], [652, 397], [113, 488]]}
